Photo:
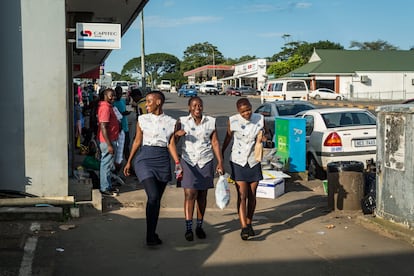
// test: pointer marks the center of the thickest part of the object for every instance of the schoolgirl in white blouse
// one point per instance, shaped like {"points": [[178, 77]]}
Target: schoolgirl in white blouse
{"points": [[244, 128]]}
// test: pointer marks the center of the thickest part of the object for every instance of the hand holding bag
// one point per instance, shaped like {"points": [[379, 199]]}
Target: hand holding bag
{"points": [[222, 191]]}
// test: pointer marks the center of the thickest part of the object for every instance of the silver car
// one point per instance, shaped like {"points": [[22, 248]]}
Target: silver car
{"points": [[247, 90], [338, 134], [281, 108]]}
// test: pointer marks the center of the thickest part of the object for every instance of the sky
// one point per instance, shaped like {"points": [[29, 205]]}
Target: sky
{"points": [[262, 27]]}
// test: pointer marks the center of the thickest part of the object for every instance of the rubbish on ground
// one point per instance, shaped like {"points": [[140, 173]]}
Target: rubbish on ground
{"points": [[330, 226], [59, 249], [67, 226]]}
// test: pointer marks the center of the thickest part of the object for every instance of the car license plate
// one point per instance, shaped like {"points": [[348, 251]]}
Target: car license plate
{"points": [[365, 143]]}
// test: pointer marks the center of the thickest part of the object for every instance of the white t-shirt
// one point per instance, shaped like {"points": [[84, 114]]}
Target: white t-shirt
{"points": [[156, 130], [197, 149], [244, 138]]}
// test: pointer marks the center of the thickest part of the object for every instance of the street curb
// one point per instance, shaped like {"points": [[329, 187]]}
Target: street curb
{"points": [[344, 104], [386, 228]]}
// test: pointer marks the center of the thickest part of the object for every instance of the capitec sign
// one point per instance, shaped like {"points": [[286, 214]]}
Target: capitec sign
{"points": [[98, 36]]}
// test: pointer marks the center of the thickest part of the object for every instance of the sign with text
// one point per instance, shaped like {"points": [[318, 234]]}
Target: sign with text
{"points": [[98, 36]]}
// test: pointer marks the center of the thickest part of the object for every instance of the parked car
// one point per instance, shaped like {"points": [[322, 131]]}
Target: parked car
{"points": [[338, 134], [209, 89], [232, 91], [164, 86], [247, 90], [187, 90], [281, 108], [326, 94], [284, 89]]}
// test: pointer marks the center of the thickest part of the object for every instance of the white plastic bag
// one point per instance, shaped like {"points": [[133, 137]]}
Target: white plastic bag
{"points": [[222, 191]]}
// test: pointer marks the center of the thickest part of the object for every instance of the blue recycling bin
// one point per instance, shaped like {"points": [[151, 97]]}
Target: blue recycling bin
{"points": [[290, 142]]}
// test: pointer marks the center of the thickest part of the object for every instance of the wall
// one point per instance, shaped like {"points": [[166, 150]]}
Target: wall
{"points": [[44, 98], [252, 69], [384, 85], [12, 165]]}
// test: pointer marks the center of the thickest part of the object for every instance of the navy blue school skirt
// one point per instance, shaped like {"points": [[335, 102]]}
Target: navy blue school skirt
{"points": [[153, 162], [196, 177], [247, 174]]}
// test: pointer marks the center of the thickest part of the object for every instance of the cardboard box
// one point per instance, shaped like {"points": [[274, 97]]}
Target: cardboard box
{"points": [[271, 188]]}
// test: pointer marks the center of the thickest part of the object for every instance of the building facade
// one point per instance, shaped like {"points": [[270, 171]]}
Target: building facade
{"points": [[361, 74]]}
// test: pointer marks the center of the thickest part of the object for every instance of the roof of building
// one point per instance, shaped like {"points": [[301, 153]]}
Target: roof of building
{"points": [[350, 61]]}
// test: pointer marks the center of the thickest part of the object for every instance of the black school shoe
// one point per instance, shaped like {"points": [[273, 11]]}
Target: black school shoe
{"points": [[154, 241], [200, 233], [251, 231], [189, 236], [244, 234]]}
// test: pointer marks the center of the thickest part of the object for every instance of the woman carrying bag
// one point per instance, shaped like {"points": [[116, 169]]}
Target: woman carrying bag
{"points": [[246, 128]]}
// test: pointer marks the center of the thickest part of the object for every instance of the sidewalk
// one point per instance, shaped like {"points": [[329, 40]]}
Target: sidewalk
{"points": [[296, 235], [305, 193]]}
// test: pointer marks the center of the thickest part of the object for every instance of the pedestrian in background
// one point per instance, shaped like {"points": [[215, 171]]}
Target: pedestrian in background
{"points": [[120, 104], [108, 131], [199, 145], [78, 122], [151, 164], [245, 128]]}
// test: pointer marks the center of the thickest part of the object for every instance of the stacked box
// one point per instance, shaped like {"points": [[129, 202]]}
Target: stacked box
{"points": [[271, 188]]}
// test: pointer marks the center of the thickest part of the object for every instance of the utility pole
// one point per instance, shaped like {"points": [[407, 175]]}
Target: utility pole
{"points": [[143, 83], [214, 64]]}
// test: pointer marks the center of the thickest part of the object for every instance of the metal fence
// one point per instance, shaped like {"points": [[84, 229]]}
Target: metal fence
{"points": [[383, 95]]}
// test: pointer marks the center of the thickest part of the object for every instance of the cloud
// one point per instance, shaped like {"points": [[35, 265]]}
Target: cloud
{"points": [[303, 5], [161, 22], [260, 8]]}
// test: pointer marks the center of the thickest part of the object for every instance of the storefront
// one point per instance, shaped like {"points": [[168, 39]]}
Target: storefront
{"points": [[250, 73]]}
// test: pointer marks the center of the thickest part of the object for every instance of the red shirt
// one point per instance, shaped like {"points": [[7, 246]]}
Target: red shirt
{"points": [[106, 115]]}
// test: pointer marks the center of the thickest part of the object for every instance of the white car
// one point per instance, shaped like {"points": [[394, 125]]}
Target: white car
{"points": [[338, 134], [209, 89], [325, 94]]}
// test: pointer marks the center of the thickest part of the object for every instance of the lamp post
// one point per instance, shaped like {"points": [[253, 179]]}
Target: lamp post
{"points": [[143, 83], [214, 63]]}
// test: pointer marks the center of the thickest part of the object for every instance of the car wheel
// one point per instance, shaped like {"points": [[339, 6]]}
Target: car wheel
{"points": [[317, 97], [338, 98], [314, 170]]}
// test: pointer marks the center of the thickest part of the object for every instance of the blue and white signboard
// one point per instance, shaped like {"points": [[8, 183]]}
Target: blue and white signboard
{"points": [[98, 36]]}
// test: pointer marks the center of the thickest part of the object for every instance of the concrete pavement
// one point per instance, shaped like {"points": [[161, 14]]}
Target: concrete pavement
{"points": [[296, 235]]}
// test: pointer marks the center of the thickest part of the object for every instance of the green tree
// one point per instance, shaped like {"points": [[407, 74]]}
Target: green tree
{"points": [[245, 58], [303, 49], [379, 45], [200, 54], [281, 68], [156, 66], [287, 51], [115, 76], [295, 54]]}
